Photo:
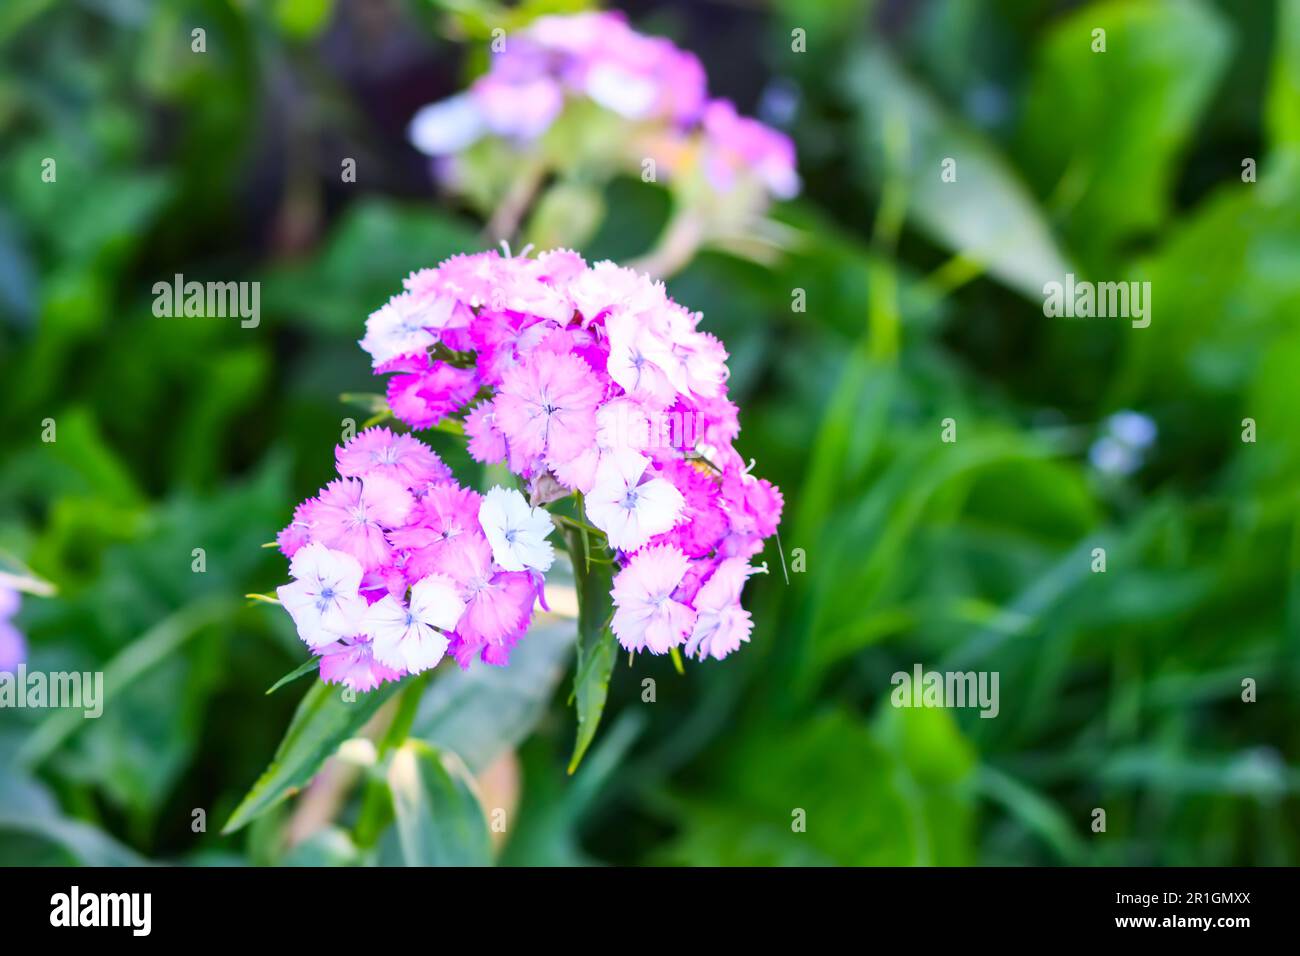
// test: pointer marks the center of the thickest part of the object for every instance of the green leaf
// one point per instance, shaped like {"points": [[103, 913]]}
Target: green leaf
{"points": [[439, 820], [597, 648], [832, 790], [54, 841], [1283, 106], [485, 711], [591, 689], [306, 667], [1120, 119], [322, 722], [986, 215], [154, 647]]}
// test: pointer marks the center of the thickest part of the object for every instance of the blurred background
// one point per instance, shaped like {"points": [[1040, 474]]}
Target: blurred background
{"points": [[1119, 690]]}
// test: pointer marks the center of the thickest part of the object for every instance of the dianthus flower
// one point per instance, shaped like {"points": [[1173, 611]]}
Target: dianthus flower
{"points": [[587, 380], [651, 93], [392, 566]]}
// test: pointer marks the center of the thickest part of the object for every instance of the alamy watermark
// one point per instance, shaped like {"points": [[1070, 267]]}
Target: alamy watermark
{"points": [[75, 690], [1102, 300], [133, 911], [221, 300], [624, 425], [923, 688]]}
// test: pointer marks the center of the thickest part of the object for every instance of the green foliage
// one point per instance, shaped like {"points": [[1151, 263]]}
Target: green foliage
{"points": [[439, 820], [922, 302]]}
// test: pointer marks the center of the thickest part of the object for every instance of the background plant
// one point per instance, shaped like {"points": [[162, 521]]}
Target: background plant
{"points": [[1119, 690]]}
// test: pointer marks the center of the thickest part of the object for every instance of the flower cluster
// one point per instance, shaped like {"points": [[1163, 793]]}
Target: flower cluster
{"points": [[646, 81], [394, 565], [13, 648], [582, 379]]}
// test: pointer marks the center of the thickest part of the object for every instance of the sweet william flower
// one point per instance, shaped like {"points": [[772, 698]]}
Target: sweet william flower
{"points": [[323, 599], [586, 379], [440, 521], [498, 603], [400, 458], [516, 531], [298, 532], [634, 347], [352, 515], [486, 442], [412, 638], [631, 511], [721, 624], [738, 146], [546, 409], [647, 617], [351, 662], [396, 328], [427, 392]]}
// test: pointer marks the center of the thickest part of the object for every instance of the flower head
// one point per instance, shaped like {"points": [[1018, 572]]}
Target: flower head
{"points": [[629, 509], [412, 638], [647, 616], [352, 515], [721, 624], [516, 531], [401, 458], [324, 599]]}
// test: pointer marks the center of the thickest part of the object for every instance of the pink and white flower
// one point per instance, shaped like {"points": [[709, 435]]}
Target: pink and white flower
{"points": [[647, 617], [411, 638], [323, 599], [629, 510]]}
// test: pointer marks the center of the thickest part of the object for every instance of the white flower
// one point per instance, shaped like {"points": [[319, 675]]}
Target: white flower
{"points": [[448, 126], [516, 532], [411, 638], [629, 512], [396, 328], [636, 341], [624, 91], [323, 599]]}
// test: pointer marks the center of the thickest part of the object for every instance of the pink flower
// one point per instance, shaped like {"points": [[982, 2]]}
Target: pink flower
{"points": [[298, 533], [353, 515], [647, 616], [546, 409], [721, 624], [497, 603], [405, 460], [486, 442], [753, 504], [351, 662], [636, 346], [429, 391], [704, 522], [440, 521], [739, 146]]}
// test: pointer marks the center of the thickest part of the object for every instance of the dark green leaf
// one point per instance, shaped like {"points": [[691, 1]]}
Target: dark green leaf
{"points": [[323, 721]]}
